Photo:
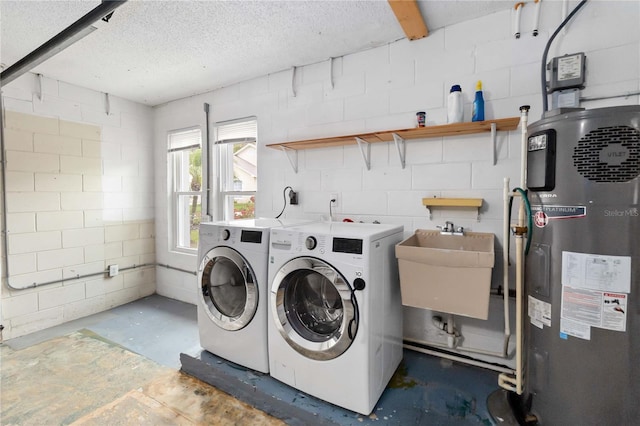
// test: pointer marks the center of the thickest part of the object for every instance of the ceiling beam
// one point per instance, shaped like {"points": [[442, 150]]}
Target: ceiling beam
{"points": [[410, 19]]}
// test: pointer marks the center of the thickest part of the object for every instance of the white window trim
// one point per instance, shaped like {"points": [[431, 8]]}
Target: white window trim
{"points": [[174, 195], [219, 194]]}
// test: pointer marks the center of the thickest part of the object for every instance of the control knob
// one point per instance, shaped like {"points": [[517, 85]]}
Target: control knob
{"points": [[311, 243], [226, 234]]}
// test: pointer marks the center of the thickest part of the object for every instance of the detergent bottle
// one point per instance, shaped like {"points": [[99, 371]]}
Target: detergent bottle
{"points": [[478, 104], [455, 105]]}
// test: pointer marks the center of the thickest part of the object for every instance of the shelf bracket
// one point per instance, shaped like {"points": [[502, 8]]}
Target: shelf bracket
{"points": [[293, 161], [430, 212], [401, 147], [40, 88], [494, 143], [331, 72], [362, 144], [293, 81], [107, 103]]}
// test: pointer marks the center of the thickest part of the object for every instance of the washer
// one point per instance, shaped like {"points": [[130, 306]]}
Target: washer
{"points": [[335, 328], [233, 288]]}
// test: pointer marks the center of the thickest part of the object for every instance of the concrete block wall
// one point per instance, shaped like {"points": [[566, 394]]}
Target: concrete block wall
{"points": [[381, 89], [79, 198]]}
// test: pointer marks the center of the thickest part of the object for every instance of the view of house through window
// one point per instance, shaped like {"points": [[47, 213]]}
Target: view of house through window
{"points": [[185, 159], [237, 151]]}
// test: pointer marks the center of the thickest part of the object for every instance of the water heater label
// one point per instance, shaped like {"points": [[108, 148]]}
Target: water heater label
{"points": [[614, 311], [596, 272], [543, 214], [595, 291], [583, 309], [575, 329], [539, 312]]}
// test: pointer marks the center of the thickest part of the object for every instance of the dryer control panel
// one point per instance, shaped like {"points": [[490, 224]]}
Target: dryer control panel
{"points": [[231, 236]]}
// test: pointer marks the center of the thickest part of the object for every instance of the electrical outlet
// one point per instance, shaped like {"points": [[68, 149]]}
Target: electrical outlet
{"points": [[293, 198], [113, 270], [334, 199]]}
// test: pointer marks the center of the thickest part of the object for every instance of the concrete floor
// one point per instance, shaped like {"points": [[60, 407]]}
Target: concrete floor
{"points": [[425, 389]]}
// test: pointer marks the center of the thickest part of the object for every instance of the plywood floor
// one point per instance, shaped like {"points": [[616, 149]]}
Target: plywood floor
{"points": [[83, 379]]}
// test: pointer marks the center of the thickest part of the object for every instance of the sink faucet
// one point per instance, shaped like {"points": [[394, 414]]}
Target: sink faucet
{"points": [[450, 229]]}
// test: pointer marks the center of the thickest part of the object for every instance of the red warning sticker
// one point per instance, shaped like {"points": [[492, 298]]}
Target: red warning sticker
{"points": [[540, 219]]}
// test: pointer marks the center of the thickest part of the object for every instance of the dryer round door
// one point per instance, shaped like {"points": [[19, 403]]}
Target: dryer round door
{"points": [[314, 308], [229, 289]]}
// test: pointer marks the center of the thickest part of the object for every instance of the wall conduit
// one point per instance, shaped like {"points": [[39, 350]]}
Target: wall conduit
{"points": [[207, 187], [56, 44], [96, 274], [60, 41], [4, 234]]}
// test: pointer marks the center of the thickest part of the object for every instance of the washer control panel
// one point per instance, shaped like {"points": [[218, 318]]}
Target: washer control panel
{"points": [[283, 239]]}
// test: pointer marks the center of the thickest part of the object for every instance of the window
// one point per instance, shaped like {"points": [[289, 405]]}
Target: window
{"points": [[185, 161], [237, 154]]}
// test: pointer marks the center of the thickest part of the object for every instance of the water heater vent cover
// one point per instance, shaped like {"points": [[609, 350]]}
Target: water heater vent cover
{"points": [[609, 154]]}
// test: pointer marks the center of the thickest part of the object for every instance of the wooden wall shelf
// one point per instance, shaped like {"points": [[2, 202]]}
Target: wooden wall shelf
{"points": [[504, 124], [364, 140], [452, 202], [430, 203]]}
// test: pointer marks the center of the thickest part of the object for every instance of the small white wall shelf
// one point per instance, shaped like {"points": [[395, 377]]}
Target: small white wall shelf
{"points": [[364, 140], [430, 203]]}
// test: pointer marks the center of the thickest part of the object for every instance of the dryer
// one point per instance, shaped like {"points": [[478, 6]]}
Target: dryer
{"points": [[335, 329], [233, 287]]}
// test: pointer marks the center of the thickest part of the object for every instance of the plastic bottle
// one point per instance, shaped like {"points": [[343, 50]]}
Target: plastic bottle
{"points": [[478, 104], [455, 105]]}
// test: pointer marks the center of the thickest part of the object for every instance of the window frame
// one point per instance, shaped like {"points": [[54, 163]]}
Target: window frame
{"points": [[177, 220], [224, 159]]}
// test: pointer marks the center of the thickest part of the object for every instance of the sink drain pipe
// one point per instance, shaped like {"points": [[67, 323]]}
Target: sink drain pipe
{"points": [[506, 378]]}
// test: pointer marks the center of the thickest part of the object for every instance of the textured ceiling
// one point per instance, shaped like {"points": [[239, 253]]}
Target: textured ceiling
{"points": [[153, 52]]}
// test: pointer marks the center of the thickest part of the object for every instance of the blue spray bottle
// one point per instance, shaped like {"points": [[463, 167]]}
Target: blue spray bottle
{"points": [[478, 104]]}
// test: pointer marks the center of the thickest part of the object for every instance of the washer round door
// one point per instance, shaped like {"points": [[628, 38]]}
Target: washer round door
{"points": [[229, 288], [314, 308]]}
